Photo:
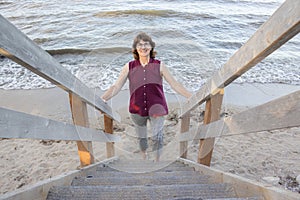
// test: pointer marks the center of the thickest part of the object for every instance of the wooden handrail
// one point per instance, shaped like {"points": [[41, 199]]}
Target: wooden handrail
{"points": [[277, 114], [19, 48], [14, 124], [277, 30], [280, 28]]}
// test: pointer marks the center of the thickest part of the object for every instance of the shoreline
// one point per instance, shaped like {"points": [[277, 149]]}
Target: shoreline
{"points": [[53, 103], [257, 156], [236, 94]]}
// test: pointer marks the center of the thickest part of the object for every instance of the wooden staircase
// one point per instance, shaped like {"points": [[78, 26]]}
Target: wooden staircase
{"points": [[144, 179], [129, 179]]}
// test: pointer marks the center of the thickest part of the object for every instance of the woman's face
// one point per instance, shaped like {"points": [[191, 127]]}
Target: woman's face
{"points": [[143, 48]]}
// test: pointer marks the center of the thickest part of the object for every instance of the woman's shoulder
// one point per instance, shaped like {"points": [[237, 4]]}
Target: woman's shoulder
{"points": [[133, 63], [156, 61]]}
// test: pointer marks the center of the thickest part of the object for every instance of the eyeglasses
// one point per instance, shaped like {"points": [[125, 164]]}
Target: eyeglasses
{"points": [[145, 45]]}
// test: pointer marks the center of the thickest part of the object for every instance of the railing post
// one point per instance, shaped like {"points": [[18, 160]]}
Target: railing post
{"points": [[80, 118], [212, 113], [108, 128], [185, 126]]}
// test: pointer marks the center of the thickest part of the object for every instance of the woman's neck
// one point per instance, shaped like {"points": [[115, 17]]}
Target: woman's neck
{"points": [[144, 60]]}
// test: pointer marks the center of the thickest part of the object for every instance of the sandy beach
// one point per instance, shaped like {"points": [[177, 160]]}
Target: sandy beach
{"points": [[270, 156]]}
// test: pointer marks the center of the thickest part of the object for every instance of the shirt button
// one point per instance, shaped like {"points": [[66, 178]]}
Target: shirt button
{"points": [[145, 94], [144, 79], [144, 86], [145, 101], [144, 70], [145, 108]]}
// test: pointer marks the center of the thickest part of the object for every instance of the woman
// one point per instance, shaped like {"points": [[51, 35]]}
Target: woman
{"points": [[147, 99]]}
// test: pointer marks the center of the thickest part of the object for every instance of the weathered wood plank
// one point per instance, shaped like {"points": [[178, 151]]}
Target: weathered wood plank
{"points": [[80, 118], [185, 126], [281, 27], [212, 113], [279, 113], [15, 124], [244, 187], [108, 128], [19, 48], [39, 190]]}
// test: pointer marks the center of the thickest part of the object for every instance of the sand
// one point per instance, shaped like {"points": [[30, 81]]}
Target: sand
{"points": [[270, 156]]}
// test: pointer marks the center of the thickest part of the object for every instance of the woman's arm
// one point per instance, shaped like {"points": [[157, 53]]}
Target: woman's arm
{"points": [[173, 82], [117, 86]]}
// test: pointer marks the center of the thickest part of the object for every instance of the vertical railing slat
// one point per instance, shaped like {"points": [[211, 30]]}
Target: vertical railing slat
{"points": [[108, 128], [185, 126], [80, 118], [212, 113]]}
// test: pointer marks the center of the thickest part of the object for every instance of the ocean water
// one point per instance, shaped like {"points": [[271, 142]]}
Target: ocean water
{"points": [[194, 38]]}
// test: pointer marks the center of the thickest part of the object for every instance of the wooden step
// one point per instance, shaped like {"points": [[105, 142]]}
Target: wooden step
{"points": [[204, 191], [115, 173], [162, 179], [191, 198], [126, 179], [144, 167], [148, 162]]}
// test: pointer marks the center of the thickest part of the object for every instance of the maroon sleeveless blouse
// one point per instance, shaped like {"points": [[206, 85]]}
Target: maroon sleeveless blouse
{"points": [[146, 89]]}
